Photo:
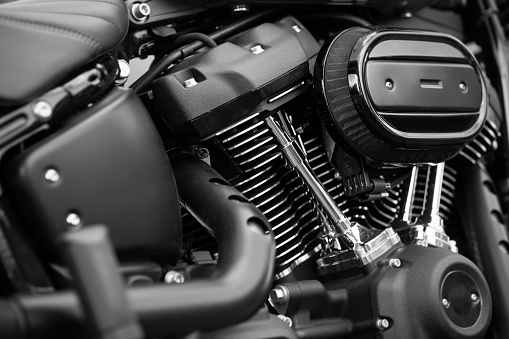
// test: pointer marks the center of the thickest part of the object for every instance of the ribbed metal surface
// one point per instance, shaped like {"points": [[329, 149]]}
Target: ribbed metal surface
{"points": [[275, 189], [483, 143], [422, 193], [377, 214]]}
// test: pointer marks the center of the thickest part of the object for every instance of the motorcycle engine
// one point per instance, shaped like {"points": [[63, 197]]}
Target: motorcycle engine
{"points": [[345, 148]]}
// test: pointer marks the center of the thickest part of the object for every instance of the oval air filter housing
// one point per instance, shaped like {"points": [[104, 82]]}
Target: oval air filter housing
{"points": [[399, 96]]}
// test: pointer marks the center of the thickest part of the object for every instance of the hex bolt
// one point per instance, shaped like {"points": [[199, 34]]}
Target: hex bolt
{"points": [[201, 152], [42, 110], [389, 84], [474, 297], [73, 220], [394, 263], [463, 87], [174, 277], [383, 324], [140, 11], [286, 320], [279, 295], [52, 175], [445, 302]]}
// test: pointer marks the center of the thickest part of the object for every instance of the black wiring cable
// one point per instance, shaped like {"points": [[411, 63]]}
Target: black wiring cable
{"points": [[146, 79], [182, 39]]}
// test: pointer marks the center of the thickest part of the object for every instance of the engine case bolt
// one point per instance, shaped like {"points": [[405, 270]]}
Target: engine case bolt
{"points": [[73, 220], [201, 152], [395, 263], [383, 324], [140, 11], [389, 84], [286, 320], [463, 87], [279, 295], [174, 277], [42, 110], [52, 175], [445, 302]]}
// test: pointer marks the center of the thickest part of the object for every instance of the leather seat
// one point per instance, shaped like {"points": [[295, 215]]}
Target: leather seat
{"points": [[43, 41]]}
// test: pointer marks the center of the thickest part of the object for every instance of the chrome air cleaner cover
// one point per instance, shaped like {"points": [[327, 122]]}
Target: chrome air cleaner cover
{"points": [[399, 96]]}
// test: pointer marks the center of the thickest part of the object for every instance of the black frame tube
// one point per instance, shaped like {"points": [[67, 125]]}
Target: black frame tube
{"points": [[240, 285], [488, 238]]}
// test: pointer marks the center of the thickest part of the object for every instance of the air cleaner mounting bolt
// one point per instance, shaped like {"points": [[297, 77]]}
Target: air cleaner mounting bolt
{"points": [[445, 302], [174, 277], [463, 87], [140, 11], [42, 110], [389, 84], [383, 324], [73, 220], [474, 297], [52, 175], [394, 263], [279, 294]]}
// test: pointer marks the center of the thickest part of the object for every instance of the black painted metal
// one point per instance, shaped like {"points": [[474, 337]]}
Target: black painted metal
{"points": [[482, 217], [239, 286]]}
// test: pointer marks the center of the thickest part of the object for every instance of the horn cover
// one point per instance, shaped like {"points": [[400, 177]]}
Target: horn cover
{"points": [[399, 96]]}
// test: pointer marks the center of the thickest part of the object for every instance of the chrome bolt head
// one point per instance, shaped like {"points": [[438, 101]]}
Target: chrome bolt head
{"points": [[445, 302], [140, 11], [42, 110], [383, 324], [73, 220], [174, 277], [52, 175], [279, 295], [394, 263], [389, 84], [463, 87], [474, 297]]}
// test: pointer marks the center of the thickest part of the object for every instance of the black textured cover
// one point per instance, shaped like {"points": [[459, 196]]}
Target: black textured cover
{"points": [[233, 82], [417, 134], [113, 171]]}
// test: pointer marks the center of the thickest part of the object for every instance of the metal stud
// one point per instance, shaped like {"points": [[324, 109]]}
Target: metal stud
{"points": [[42, 110], [174, 277], [52, 175], [73, 220]]}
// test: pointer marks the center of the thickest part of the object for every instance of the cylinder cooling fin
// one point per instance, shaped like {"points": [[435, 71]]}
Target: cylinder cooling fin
{"points": [[399, 96]]}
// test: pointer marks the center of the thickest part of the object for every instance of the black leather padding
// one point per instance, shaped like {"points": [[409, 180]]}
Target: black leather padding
{"points": [[44, 41]]}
